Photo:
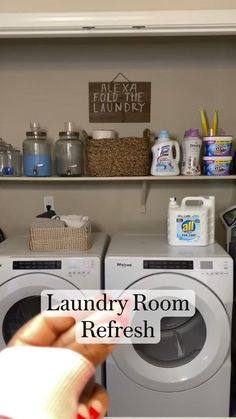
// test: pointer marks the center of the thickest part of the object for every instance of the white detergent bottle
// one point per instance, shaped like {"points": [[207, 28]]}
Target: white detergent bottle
{"points": [[191, 148], [208, 202], [166, 156], [188, 224]]}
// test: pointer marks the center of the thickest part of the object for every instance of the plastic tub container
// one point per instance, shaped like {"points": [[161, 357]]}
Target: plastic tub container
{"points": [[218, 146], [217, 166]]}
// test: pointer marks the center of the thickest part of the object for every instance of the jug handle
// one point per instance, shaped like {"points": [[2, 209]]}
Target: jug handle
{"points": [[177, 151], [193, 198]]}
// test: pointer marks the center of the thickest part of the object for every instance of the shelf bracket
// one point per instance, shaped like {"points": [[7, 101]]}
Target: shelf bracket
{"points": [[143, 199]]}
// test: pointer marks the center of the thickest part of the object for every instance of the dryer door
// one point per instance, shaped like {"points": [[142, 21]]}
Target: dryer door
{"points": [[190, 351], [20, 300]]}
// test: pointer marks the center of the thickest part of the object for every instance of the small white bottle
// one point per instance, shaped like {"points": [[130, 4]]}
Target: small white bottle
{"points": [[172, 206], [164, 162], [191, 148]]}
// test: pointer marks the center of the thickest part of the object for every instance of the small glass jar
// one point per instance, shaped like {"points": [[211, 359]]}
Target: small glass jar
{"points": [[3, 157], [17, 162], [69, 153], [37, 153], [12, 165]]}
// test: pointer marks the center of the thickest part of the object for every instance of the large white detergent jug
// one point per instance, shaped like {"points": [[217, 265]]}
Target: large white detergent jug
{"points": [[164, 163], [193, 222]]}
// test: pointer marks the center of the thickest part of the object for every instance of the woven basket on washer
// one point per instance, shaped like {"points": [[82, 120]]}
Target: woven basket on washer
{"points": [[60, 239], [128, 156]]}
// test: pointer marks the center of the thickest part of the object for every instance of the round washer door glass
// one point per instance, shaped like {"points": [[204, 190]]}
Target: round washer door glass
{"points": [[18, 314], [20, 300], [190, 351], [182, 339]]}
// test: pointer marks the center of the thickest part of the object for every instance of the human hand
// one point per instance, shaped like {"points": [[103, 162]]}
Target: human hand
{"points": [[90, 399]]}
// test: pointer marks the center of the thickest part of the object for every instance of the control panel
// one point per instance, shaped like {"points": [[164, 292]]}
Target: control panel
{"points": [[168, 264], [24, 265], [203, 267], [68, 267], [79, 267]]}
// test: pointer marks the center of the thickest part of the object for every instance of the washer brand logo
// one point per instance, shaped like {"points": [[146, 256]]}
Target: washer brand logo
{"points": [[124, 265]]}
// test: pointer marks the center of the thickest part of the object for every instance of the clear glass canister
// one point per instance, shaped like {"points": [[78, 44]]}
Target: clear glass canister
{"points": [[37, 153], [69, 153], [12, 164], [3, 157]]}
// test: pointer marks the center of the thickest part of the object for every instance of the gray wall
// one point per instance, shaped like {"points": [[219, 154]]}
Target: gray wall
{"points": [[47, 81], [91, 5]]}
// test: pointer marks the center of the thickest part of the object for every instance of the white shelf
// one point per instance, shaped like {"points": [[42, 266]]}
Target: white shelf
{"points": [[144, 180], [58, 179], [120, 23]]}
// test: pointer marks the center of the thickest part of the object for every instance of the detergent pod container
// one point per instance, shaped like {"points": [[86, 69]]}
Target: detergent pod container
{"points": [[193, 222], [218, 146], [166, 156]]}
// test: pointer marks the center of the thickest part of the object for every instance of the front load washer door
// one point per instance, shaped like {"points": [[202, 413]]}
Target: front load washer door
{"points": [[190, 351], [20, 300]]}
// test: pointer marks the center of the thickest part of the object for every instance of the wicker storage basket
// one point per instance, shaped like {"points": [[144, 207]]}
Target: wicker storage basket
{"points": [[128, 156], [60, 239]]}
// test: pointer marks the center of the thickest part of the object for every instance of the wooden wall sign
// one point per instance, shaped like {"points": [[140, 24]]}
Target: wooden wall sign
{"points": [[119, 101]]}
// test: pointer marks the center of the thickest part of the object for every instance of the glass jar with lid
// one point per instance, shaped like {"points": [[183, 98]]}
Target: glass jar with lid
{"points": [[69, 153], [12, 163], [37, 152], [3, 156]]}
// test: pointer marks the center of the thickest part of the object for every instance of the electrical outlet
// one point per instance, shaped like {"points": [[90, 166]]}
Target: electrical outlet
{"points": [[48, 200]]}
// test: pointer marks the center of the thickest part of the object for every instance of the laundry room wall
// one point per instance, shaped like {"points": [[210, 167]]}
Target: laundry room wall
{"points": [[47, 81], [94, 5]]}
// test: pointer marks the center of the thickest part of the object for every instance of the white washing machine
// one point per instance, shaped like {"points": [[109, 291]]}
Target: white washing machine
{"points": [[24, 274], [188, 372]]}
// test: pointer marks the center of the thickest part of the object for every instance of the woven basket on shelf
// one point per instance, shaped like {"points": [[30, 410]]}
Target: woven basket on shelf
{"points": [[60, 239], [128, 156]]}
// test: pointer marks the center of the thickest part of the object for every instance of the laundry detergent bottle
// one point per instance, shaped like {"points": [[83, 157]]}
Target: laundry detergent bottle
{"points": [[191, 148], [166, 156], [192, 222]]}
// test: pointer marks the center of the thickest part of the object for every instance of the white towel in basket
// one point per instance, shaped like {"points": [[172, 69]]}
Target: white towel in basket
{"points": [[76, 221]]}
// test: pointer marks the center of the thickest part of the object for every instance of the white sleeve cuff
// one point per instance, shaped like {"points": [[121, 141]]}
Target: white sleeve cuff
{"points": [[41, 383]]}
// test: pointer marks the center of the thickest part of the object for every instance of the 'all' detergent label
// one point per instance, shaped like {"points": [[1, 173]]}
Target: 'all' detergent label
{"points": [[188, 228]]}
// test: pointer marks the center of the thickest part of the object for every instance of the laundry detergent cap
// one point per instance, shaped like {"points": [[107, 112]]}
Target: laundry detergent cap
{"points": [[164, 134], [192, 133]]}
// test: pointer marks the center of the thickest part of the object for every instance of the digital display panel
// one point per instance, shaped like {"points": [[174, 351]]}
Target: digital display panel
{"points": [[206, 264], [168, 264], [36, 264]]}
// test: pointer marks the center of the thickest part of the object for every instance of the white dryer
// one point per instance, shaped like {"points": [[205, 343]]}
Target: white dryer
{"points": [[188, 372], [25, 274]]}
